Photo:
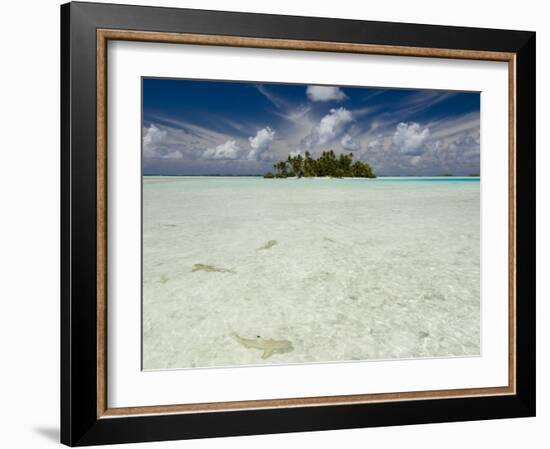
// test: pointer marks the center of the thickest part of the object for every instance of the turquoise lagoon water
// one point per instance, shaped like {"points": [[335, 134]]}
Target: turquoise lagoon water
{"points": [[323, 270]]}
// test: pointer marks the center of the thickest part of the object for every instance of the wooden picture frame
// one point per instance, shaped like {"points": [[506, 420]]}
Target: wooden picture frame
{"points": [[85, 417]]}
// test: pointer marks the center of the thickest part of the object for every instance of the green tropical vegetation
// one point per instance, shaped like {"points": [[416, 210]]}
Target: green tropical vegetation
{"points": [[326, 165]]}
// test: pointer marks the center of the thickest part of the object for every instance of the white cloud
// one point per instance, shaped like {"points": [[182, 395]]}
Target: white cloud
{"points": [[410, 138], [446, 146], [261, 141], [153, 139], [462, 149], [227, 150], [178, 141], [173, 155], [157, 144], [325, 93], [349, 143], [329, 128], [374, 126], [379, 142], [375, 144]]}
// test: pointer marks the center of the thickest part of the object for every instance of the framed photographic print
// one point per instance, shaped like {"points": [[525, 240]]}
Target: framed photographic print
{"points": [[276, 224]]}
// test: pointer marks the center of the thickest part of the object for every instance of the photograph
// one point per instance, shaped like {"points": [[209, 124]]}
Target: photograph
{"points": [[298, 224]]}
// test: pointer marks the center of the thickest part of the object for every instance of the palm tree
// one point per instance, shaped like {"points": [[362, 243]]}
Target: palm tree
{"points": [[326, 165], [296, 164], [308, 165], [281, 169]]}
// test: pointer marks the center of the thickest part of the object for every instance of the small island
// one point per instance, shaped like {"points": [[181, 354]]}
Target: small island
{"points": [[327, 165]]}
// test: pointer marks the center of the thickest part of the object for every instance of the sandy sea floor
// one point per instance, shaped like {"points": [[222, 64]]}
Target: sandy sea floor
{"points": [[321, 270]]}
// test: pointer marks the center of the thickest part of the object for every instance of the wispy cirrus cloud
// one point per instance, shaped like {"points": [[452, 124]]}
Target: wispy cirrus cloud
{"points": [[276, 100]]}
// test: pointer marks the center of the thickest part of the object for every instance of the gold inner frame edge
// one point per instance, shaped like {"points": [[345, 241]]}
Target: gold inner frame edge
{"points": [[104, 35]]}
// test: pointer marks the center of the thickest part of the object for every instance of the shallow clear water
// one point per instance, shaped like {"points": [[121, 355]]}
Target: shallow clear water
{"points": [[339, 269]]}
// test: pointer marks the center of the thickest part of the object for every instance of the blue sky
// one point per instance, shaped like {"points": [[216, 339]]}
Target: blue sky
{"points": [[193, 127]]}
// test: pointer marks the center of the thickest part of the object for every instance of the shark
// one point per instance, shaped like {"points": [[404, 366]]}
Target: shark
{"points": [[210, 269], [269, 346], [268, 245]]}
